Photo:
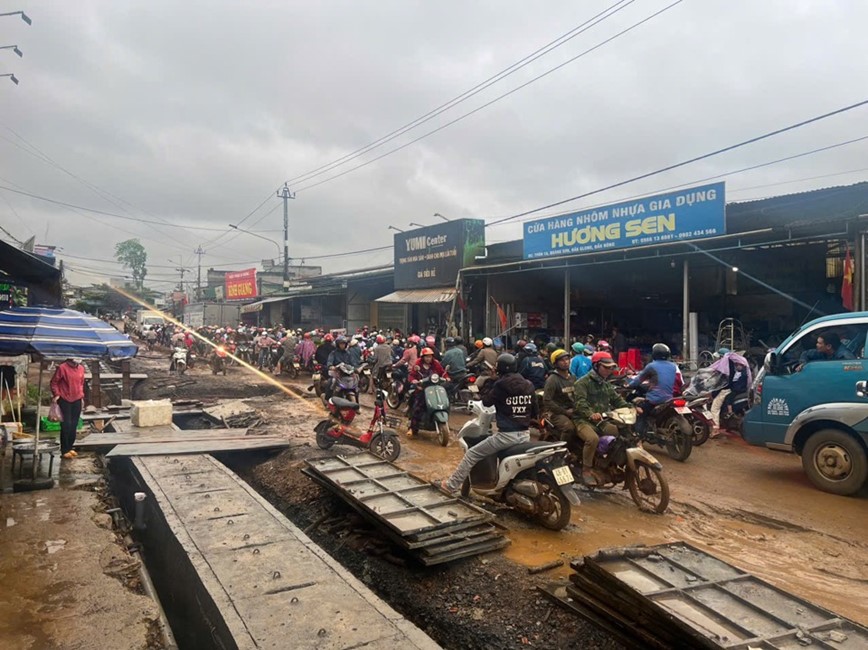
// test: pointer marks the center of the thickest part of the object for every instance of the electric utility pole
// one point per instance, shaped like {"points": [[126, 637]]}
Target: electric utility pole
{"points": [[200, 253], [286, 195]]}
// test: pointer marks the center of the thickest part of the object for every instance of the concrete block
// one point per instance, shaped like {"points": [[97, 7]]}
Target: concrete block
{"points": [[151, 413]]}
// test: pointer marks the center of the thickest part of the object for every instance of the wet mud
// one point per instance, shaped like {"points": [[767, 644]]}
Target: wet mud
{"points": [[750, 506]]}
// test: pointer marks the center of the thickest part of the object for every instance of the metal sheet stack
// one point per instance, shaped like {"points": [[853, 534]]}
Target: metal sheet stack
{"points": [[676, 596], [430, 525]]}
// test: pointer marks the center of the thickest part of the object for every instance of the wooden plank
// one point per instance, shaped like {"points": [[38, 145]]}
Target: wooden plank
{"points": [[249, 443], [103, 440]]}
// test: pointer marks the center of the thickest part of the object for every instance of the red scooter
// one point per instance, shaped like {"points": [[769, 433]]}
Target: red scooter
{"points": [[378, 439]]}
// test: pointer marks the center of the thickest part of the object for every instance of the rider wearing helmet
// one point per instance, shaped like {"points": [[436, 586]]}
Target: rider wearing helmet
{"points": [[520, 352], [426, 366], [355, 351], [340, 354], [580, 364], [532, 367], [453, 359], [381, 358], [594, 395], [664, 380], [324, 350], [486, 358], [306, 349], [512, 397], [558, 400]]}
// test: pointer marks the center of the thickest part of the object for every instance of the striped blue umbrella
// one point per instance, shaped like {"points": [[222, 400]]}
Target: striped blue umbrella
{"points": [[61, 334]]}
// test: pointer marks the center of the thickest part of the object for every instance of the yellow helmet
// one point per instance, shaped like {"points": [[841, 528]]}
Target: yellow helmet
{"points": [[557, 354]]}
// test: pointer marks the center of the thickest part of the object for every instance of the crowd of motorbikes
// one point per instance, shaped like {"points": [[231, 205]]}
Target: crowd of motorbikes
{"points": [[534, 478]]}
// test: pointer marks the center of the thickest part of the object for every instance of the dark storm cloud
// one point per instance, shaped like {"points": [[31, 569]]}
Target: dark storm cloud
{"points": [[194, 112]]}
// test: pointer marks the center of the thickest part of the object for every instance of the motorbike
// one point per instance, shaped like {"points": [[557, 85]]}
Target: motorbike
{"points": [[346, 386], [364, 371], [734, 420], [378, 439], [397, 390], [462, 389], [244, 352], [532, 478], [436, 415], [318, 382], [666, 425], [621, 459], [218, 361], [699, 417], [178, 361]]}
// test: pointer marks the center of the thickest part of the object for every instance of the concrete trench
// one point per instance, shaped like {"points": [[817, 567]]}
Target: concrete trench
{"points": [[232, 572]]}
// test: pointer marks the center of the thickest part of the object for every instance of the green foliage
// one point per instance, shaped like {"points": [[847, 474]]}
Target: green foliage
{"points": [[133, 256], [33, 394]]}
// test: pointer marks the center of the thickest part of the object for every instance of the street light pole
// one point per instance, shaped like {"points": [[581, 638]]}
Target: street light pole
{"points": [[250, 232], [14, 48], [11, 76], [286, 195]]}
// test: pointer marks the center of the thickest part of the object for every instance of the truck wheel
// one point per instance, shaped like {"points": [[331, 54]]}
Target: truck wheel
{"points": [[835, 462]]}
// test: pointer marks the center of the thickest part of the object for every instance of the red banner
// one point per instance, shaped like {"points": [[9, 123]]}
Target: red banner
{"points": [[241, 285]]}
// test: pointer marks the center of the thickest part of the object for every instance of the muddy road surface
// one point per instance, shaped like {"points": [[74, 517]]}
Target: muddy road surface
{"points": [[749, 506]]}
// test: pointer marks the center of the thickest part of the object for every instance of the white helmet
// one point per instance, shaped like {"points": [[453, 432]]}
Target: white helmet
{"points": [[487, 342]]}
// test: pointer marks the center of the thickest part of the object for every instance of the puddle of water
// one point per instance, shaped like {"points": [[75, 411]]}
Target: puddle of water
{"points": [[54, 545]]}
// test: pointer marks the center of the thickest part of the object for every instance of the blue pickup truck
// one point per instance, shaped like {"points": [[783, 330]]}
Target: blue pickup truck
{"points": [[810, 398]]}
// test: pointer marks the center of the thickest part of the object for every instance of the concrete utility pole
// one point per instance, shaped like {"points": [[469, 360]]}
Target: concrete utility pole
{"points": [[286, 195], [200, 253]]}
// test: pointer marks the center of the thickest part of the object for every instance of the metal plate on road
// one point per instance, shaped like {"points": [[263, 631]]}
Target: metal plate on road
{"points": [[676, 595]]}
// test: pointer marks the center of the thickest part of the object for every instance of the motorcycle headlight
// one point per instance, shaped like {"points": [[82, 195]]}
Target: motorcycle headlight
{"points": [[435, 378]]}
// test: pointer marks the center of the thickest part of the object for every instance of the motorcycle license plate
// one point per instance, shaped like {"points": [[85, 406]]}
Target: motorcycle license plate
{"points": [[683, 410], [472, 388], [706, 414], [315, 376], [562, 475], [296, 366]]}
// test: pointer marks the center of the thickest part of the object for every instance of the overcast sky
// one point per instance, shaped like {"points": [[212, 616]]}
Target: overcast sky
{"points": [[193, 113]]}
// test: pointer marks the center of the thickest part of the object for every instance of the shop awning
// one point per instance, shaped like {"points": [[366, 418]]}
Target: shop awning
{"points": [[257, 306], [419, 295]]}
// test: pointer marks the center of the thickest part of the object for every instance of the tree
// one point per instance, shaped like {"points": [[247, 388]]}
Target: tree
{"points": [[133, 256]]}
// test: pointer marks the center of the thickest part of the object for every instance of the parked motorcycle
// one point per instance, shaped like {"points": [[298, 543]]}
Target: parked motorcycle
{"points": [[436, 415], [218, 361], [178, 361], [533, 477], [621, 459], [378, 439]]}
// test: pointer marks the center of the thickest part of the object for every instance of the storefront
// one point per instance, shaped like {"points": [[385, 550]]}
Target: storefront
{"points": [[772, 264]]}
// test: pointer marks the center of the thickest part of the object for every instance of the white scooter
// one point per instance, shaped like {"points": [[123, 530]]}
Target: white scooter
{"points": [[179, 361], [533, 477]]}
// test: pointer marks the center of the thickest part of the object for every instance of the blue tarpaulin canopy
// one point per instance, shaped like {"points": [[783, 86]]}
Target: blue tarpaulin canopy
{"points": [[61, 334]]}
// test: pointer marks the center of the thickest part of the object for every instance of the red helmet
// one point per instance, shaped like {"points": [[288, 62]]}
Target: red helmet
{"points": [[427, 351], [380, 339], [602, 357], [307, 335], [413, 339], [328, 337], [430, 340]]}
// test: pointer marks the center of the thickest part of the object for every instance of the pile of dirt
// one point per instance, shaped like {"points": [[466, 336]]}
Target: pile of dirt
{"points": [[480, 602]]}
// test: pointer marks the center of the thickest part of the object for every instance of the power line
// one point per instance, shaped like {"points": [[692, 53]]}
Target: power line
{"points": [[103, 212], [685, 162], [493, 101], [707, 178], [467, 94]]}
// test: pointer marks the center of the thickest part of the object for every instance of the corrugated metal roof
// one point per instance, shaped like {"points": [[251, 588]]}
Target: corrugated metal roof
{"points": [[419, 295]]}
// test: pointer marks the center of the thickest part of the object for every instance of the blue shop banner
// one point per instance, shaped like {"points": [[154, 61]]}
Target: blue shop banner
{"points": [[684, 215]]}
